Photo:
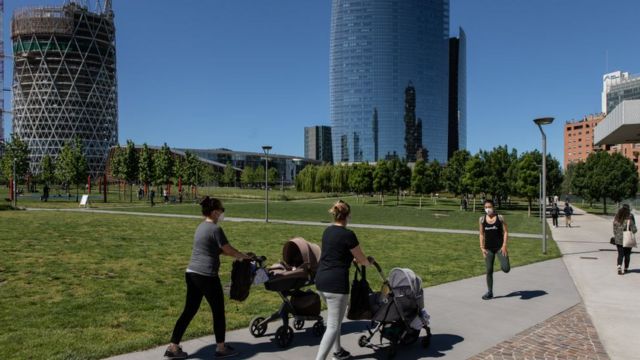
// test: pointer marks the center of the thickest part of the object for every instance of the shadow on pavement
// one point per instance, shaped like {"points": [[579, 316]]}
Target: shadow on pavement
{"points": [[524, 294], [440, 343]]}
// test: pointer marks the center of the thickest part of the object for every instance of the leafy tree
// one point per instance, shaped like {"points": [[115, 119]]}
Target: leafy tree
{"points": [[323, 178], [453, 173], [192, 171], [18, 150], [72, 165], [164, 164], [567, 181], [48, 174], [497, 162], [207, 174], [229, 175], [528, 178], [306, 179], [418, 179], [400, 177], [146, 167], [474, 177], [382, 179], [360, 178], [180, 169], [433, 176], [117, 166], [131, 166], [339, 178], [248, 176], [273, 175], [259, 177]]}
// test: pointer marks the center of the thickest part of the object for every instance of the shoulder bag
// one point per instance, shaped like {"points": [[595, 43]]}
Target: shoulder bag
{"points": [[359, 307], [628, 237]]}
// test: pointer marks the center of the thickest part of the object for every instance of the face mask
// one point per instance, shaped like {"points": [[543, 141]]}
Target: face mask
{"points": [[221, 218], [489, 211]]}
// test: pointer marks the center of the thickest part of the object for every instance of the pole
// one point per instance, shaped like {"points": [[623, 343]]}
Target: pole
{"points": [[266, 188], [540, 195], [104, 190], [15, 185], [544, 191]]}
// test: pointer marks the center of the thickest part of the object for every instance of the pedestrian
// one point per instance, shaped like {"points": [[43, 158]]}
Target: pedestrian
{"points": [[45, 193], [202, 280], [339, 248], [165, 195], [623, 221], [140, 193], [493, 242], [152, 195], [555, 199], [555, 212], [568, 211], [180, 196]]}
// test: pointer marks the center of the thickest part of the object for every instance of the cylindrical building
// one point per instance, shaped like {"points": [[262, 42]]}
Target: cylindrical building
{"points": [[64, 81], [379, 48]]}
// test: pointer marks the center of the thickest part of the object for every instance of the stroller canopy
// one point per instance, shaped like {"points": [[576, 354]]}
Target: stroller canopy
{"points": [[402, 277], [298, 251]]}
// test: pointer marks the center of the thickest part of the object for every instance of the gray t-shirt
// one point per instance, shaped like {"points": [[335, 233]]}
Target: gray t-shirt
{"points": [[207, 246]]}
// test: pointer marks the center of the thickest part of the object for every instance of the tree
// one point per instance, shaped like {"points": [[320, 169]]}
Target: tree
{"points": [[339, 178], [48, 173], [192, 171], [273, 175], [164, 164], [229, 175], [180, 169], [432, 176], [146, 167], [323, 178], [498, 161], [528, 178], [453, 173], [382, 179], [418, 179], [247, 178], [400, 177], [131, 166], [567, 181], [306, 179], [18, 150], [72, 165], [117, 166], [360, 178], [474, 177]]}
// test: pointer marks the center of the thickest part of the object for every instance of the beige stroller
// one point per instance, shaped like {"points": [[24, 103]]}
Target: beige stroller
{"points": [[296, 271]]}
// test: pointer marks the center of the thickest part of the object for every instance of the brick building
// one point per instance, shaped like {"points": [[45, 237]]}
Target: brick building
{"points": [[578, 138]]}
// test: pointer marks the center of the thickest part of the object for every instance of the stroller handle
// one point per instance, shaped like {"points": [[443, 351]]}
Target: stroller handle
{"points": [[373, 262]]}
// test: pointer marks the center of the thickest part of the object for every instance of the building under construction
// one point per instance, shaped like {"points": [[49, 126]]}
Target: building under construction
{"points": [[64, 80]]}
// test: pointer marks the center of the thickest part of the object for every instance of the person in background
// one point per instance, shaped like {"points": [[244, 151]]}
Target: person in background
{"points": [[621, 222], [568, 211], [152, 195], [555, 212]]}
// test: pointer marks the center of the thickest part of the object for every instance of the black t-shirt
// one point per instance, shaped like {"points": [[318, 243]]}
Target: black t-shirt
{"points": [[336, 258], [493, 233]]}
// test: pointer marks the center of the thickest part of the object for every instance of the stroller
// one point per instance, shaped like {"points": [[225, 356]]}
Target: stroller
{"points": [[297, 270], [398, 311]]}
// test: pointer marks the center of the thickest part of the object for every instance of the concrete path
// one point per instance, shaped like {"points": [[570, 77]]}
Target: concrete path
{"points": [[611, 300], [463, 325], [292, 222]]}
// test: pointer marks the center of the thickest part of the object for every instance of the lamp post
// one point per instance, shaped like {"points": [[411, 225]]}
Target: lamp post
{"points": [[540, 122], [266, 149], [15, 187]]}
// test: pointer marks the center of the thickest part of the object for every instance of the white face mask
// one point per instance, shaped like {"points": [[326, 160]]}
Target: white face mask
{"points": [[489, 211], [221, 218]]}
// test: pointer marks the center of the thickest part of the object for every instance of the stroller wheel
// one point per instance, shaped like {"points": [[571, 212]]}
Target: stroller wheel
{"points": [[298, 324], [363, 341], [318, 328], [255, 328], [410, 337], [284, 336]]}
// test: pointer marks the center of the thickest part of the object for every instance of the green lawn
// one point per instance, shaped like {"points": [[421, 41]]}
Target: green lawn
{"points": [[87, 286]]}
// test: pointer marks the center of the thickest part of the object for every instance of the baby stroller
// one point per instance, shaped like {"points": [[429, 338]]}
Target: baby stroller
{"points": [[398, 311], [297, 270]]}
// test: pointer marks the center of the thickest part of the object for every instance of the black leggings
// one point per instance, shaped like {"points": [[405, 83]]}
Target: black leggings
{"points": [[197, 287], [624, 252], [489, 260]]}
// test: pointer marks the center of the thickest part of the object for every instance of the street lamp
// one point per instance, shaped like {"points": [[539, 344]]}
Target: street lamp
{"points": [[540, 122], [266, 149], [15, 188]]}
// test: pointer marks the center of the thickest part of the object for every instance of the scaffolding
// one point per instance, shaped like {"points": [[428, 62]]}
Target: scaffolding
{"points": [[64, 81]]}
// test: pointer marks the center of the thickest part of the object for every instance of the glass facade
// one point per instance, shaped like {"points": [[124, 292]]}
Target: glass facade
{"points": [[457, 93], [378, 47]]}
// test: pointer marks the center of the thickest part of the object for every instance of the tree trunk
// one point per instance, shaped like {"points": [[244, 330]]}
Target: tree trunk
{"points": [[77, 192], [398, 197], [474, 203], [420, 201], [130, 192], [529, 207], [604, 202]]}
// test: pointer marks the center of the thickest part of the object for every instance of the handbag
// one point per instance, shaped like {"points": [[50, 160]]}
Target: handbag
{"points": [[359, 307], [628, 237]]}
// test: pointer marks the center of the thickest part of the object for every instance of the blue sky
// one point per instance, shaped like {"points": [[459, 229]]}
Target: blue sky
{"points": [[243, 73]]}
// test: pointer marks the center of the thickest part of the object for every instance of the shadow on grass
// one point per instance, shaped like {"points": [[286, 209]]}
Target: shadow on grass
{"points": [[524, 294]]}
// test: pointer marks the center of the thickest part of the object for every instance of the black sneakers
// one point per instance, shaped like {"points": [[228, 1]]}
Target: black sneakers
{"points": [[226, 353], [175, 355], [342, 355], [487, 296]]}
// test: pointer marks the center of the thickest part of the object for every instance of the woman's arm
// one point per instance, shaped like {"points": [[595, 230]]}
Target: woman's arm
{"points": [[359, 256], [229, 250], [505, 237], [481, 232]]}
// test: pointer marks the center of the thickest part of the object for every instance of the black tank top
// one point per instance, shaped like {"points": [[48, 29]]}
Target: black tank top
{"points": [[493, 233]]}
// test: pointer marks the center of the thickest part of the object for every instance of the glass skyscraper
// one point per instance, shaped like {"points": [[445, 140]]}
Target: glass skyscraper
{"points": [[378, 48]]}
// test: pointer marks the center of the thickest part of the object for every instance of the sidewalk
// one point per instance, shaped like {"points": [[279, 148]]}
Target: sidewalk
{"points": [[611, 300], [463, 325]]}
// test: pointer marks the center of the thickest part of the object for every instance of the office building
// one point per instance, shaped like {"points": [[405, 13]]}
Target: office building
{"points": [[64, 81], [317, 143], [457, 94], [378, 48], [617, 87]]}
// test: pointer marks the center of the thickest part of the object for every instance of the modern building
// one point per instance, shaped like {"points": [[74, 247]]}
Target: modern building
{"points": [[579, 138], [64, 81], [457, 93], [317, 143], [617, 87], [378, 48]]}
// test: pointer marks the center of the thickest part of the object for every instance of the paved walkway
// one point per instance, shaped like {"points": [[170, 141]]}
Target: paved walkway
{"points": [[611, 300], [292, 222]]}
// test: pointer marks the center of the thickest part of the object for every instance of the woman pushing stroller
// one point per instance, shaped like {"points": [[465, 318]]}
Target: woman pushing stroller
{"points": [[340, 247]]}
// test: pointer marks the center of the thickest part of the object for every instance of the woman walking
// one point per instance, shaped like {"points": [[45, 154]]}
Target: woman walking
{"points": [[202, 279], [339, 248], [493, 242], [568, 211], [623, 221]]}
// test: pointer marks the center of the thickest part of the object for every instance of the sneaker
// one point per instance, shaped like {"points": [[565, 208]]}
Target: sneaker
{"points": [[342, 355], [174, 355], [620, 271], [226, 353], [626, 271], [487, 296]]}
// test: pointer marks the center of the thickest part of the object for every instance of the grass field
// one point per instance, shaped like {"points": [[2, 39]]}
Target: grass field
{"points": [[86, 286]]}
